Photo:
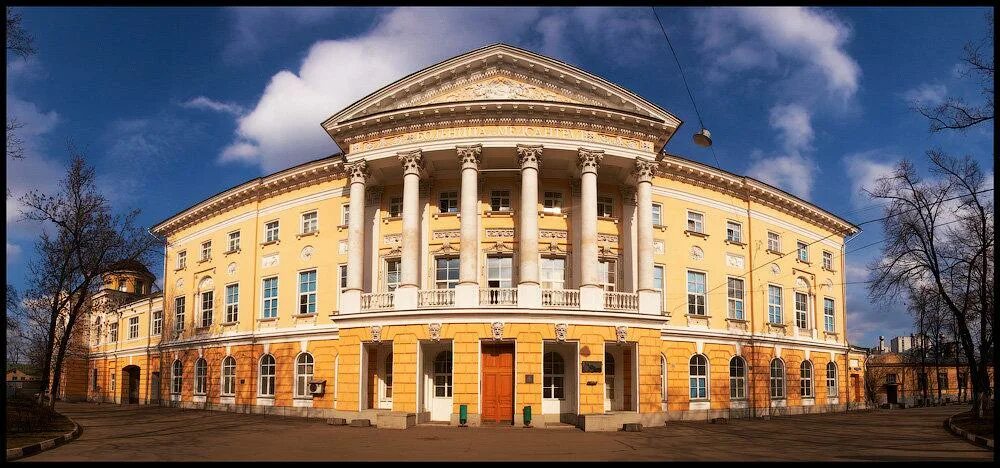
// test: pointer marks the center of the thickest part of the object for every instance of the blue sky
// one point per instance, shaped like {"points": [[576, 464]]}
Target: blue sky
{"points": [[173, 105]]}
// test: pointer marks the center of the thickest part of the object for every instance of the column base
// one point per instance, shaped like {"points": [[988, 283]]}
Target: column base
{"points": [[405, 297], [467, 295], [650, 302], [529, 296], [350, 302], [591, 297]]}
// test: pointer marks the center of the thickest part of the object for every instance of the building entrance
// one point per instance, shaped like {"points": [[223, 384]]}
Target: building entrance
{"points": [[498, 383]]}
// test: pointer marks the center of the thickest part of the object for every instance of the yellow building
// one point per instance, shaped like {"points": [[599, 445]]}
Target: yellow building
{"points": [[503, 233]]}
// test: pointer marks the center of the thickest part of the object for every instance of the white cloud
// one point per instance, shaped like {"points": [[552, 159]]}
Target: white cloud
{"points": [[202, 102], [792, 170], [864, 168], [793, 121], [35, 171], [926, 94]]}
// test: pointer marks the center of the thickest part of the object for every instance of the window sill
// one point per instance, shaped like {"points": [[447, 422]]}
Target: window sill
{"points": [[267, 319], [736, 320], [307, 234], [775, 252], [306, 398], [230, 252], [661, 227], [181, 268], [734, 242], [209, 259], [447, 215], [829, 270], [311, 314], [776, 325], [266, 397], [386, 219], [799, 260], [342, 227], [697, 316], [499, 213], [229, 324], [266, 243], [608, 218], [695, 233], [551, 212]]}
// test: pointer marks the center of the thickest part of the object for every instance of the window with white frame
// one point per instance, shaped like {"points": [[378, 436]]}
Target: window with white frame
{"points": [[831, 380], [310, 222], [773, 241], [828, 315], [553, 376], [448, 202], [133, 328], [113, 332], [271, 231], [158, 322], [200, 376], [553, 273], [232, 303], [229, 376], [176, 377], [737, 378], [234, 241], [303, 374], [182, 257], [696, 293], [803, 250], [696, 222], [395, 207], [734, 232], [207, 309], [179, 313], [774, 304], [552, 202], [206, 250], [734, 291], [607, 273], [806, 379], [500, 200], [499, 271], [442, 374], [777, 380], [139, 285], [307, 292], [345, 214], [267, 367], [698, 377], [270, 295], [392, 274], [446, 269], [657, 214], [343, 277], [605, 207], [658, 284], [828, 260], [801, 310]]}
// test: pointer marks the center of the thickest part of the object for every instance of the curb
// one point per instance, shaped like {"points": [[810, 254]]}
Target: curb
{"points": [[977, 440], [38, 447]]}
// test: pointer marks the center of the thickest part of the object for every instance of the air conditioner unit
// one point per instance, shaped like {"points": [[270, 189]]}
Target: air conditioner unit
{"points": [[317, 387]]}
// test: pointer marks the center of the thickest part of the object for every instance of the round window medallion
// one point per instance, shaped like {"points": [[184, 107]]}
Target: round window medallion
{"points": [[307, 252], [179, 284], [231, 269], [775, 269], [697, 253]]}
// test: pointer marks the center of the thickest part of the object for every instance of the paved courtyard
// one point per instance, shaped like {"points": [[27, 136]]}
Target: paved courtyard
{"points": [[152, 433]]}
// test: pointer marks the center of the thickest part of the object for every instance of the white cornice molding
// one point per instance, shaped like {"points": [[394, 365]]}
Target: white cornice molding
{"points": [[497, 142]]}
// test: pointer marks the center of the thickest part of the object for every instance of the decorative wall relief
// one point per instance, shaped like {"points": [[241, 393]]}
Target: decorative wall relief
{"points": [[307, 253], [270, 260], [735, 261], [697, 253]]}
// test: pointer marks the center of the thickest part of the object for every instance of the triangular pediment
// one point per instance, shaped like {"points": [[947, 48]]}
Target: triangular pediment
{"points": [[497, 86]]}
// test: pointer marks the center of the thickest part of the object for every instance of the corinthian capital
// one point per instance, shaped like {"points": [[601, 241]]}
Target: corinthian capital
{"points": [[468, 156], [589, 160], [644, 170], [358, 172], [529, 156], [413, 162]]}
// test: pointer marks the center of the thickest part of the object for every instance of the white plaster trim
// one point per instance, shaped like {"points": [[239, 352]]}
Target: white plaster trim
{"points": [[691, 198], [699, 405], [449, 144], [265, 401], [199, 398], [738, 404], [782, 403], [808, 401], [302, 402], [175, 397], [227, 400], [791, 227]]}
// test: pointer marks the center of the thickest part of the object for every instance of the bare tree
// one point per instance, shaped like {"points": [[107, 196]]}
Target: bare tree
{"points": [[954, 113], [88, 238], [19, 42]]}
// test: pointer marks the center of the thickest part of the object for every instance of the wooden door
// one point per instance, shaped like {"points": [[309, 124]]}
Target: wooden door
{"points": [[498, 383]]}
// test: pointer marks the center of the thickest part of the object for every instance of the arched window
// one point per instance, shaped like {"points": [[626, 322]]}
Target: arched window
{"points": [[229, 376], [777, 379], [737, 378], [266, 387], [200, 376], [806, 379], [303, 374], [442, 374], [831, 380], [553, 376], [699, 377], [176, 377], [388, 376], [663, 378]]}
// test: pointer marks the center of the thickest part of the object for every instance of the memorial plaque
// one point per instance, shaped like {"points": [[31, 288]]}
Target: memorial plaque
{"points": [[529, 378], [591, 366]]}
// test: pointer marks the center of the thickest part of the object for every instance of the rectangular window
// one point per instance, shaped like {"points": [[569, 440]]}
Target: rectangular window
{"points": [[271, 231], [206, 250], [500, 200], [658, 283], [605, 207], [735, 294], [803, 251], [113, 332], [270, 294], [307, 292], [552, 202], [827, 260], [182, 258], [392, 272], [734, 232], [774, 304], [158, 322], [94, 385], [553, 273], [828, 315], [232, 303], [395, 207], [207, 309], [179, 313], [448, 202], [446, 269], [234, 241], [943, 380], [345, 214], [607, 273], [343, 277], [696, 222], [133, 328], [773, 241], [657, 214], [310, 222], [696, 293], [801, 310], [890, 378], [499, 272]]}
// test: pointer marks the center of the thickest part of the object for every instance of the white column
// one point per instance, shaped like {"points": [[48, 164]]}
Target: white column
{"points": [[467, 291], [649, 300], [529, 291], [591, 290], [409, 281], [350, 300]]}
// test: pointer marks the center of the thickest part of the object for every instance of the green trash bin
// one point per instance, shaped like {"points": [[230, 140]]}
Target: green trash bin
{"points": [[463, 414], [527, 416]]}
